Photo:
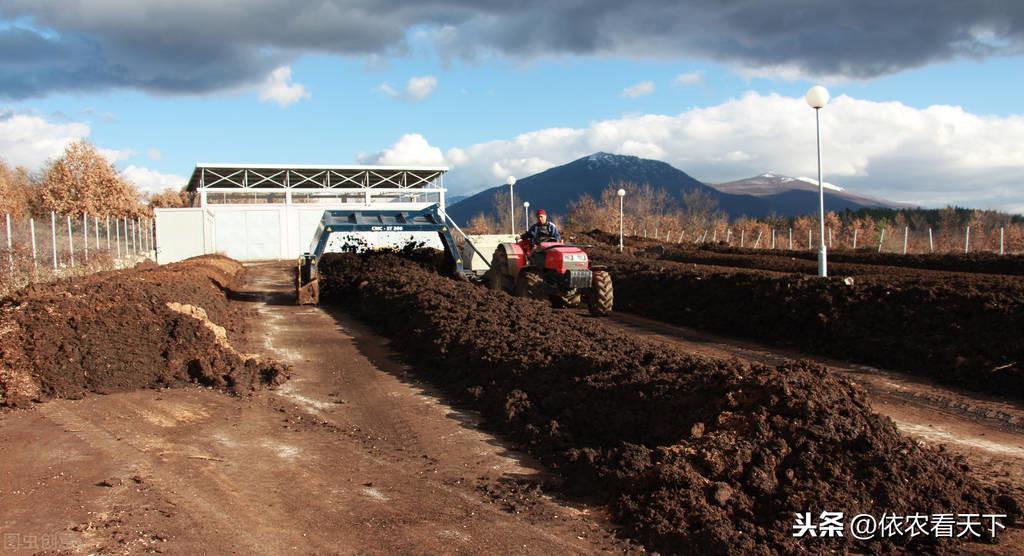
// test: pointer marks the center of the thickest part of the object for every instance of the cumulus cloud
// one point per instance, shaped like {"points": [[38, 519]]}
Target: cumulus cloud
{"points": [[931, 156], [196, 46], [29, 140], [410, 149], [151, 181], [277, 87], [695, 77], [642, 88], [417, 88]]}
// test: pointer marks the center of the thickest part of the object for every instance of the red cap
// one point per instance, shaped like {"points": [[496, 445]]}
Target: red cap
{"points": [[540, 212]]}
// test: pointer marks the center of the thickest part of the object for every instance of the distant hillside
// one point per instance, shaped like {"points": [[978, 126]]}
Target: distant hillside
{"points": [[796, 196], [554, 189]]}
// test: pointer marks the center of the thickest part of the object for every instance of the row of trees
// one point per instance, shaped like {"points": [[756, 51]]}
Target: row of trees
{"points": [[80, 181], [695, 216]]}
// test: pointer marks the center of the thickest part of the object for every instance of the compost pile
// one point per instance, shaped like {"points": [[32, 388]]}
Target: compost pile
{"points": [[147, 327], [692, 454], [957, 328]]}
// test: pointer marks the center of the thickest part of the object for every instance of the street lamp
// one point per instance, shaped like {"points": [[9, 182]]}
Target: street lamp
{"points": [[817, 98], [511, 181], [622, 194], [526, 213]]}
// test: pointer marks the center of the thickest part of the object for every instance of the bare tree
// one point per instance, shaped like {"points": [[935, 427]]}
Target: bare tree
{"points": [[83, 181]]}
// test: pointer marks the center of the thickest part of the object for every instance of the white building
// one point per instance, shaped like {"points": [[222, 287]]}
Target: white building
{"points": [[255, 212]]}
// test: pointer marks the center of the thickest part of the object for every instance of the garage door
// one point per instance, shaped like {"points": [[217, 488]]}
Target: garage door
{"points": [[249, 235]]}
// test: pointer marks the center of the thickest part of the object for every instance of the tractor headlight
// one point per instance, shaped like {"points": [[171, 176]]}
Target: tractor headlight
{"points": [[576, 258]]}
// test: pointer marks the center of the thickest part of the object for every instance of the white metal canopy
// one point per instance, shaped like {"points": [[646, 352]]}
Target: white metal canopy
{"points": [[271, 177]]}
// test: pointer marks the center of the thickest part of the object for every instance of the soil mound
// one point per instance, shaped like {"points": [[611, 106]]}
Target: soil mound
{"points": [[146, 327], [693, 454]]}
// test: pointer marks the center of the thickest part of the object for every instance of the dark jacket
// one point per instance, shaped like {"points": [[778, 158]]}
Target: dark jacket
{"points": [[543, 232]]}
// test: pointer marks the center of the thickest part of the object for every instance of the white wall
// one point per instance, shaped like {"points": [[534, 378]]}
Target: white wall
{"points": [[244, 232]]}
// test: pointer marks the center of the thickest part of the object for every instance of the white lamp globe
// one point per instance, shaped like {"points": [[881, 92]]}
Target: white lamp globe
{"points": [[511, 180], [621, 192], [817, 96], [526, 204]]}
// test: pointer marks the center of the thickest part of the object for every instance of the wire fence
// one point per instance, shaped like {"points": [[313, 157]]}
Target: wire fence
{"points": [[1002, 240], [48, 247]]}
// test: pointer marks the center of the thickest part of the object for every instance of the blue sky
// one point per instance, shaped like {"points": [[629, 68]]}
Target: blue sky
{"points": [[496, 109]]}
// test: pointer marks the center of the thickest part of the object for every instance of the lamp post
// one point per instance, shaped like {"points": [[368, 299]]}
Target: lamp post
{"points": [[622, 195], [817, 97], [526, 213], [511, 181]]}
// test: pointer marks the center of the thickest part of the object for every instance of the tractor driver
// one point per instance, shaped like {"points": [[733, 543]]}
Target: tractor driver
{"points": [[543, 230]]}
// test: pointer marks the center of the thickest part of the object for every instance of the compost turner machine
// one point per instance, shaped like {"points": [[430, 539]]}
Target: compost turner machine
{"points": [[348, 223]]}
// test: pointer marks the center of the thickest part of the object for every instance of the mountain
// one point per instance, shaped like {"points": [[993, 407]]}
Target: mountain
{"points": [[555, 188], [795, 196], [757, 197]]}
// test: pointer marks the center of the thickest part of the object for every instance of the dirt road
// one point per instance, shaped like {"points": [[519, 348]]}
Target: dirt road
{"points": [[351, 456]]}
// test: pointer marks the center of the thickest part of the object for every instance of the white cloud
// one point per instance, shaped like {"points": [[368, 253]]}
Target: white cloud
{"points": [[417, 88], [640, 89], [29, 140], [695, 77], [116, 155], [388, 90], [420, 88], [931, 156], [151, 181], [277, 87], [411, 149], [154, 154]]}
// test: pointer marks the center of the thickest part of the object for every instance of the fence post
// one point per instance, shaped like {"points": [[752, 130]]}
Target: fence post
{"points": [[53, 237], [645, 233], [881, 239], [855, 239], [1001, 251], [117, 237], [758, 241], [10, 245], [728, 235], [96, 233], [714, 236], [931, 243], [830, 238], [32, 228], [743, 234], [71, 242], [791, 239], [773, 239], [906, 231], [705, 237], [967, 240], [108, 234], [85, 237]]}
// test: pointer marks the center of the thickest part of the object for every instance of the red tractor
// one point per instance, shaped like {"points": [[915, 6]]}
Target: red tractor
{"points": [[553, 271]]}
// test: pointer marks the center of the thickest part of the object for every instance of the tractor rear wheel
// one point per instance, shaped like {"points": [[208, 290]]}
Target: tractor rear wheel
{"points": [[530, 284], [600, 296]]}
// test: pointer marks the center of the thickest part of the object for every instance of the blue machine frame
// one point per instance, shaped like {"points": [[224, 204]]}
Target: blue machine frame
{"points": [[429, 219]]}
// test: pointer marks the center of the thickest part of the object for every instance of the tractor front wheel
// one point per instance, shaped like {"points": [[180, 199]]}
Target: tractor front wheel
{"points": [[600, 296], [496, 279], [529, 284]]}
